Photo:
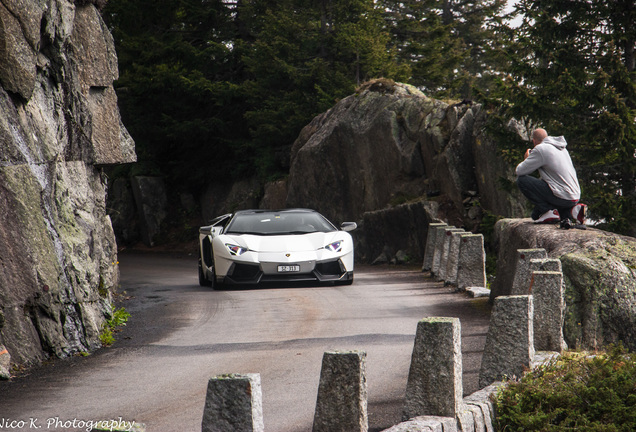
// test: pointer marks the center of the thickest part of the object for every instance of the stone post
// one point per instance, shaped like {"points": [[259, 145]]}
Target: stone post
{"points": [[545, 264], [430, 245], [471, 263], [443, 263], [521, 281], [549, 310], [342, 393], [434, 386], [452, 263], [440, 236], [233, 403], [510, 341]]}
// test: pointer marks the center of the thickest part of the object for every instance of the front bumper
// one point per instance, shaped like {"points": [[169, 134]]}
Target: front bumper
{"points": [[248, 273]]}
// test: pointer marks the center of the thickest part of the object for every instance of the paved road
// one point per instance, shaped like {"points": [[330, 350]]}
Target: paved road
{"points": [[181, 334]]}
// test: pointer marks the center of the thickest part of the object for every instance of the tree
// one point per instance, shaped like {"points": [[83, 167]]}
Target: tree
{"points": [[446, 43], [300, 58], [177, 90], [232, 83], [571, 70]]}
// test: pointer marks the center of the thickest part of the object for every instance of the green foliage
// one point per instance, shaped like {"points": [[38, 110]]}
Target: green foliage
{"points": [[447, 45], [229, 85], [575, 392], [571, 70], [106, 336], [118, 319]]}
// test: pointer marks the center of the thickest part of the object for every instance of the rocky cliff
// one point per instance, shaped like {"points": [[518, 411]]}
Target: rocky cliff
{"points": [[599, 270], [389, 144], [59, 125]]}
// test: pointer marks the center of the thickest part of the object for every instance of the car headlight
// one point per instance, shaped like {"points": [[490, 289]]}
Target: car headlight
{"points": [[335, 246], [235, 250]]}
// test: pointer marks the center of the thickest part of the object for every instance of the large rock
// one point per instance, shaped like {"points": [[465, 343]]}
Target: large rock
{"points": [[19, 46], [58, 261], [403, 227], [599, 270], [378, 147]]}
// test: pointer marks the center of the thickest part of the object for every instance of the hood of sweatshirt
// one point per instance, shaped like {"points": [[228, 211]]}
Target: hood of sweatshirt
{"points": [[558, 142]]}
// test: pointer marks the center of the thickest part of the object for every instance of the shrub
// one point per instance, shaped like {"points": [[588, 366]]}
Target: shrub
{"points": [[574, 392]]}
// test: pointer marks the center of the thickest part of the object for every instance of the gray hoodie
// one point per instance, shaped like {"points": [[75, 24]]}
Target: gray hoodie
{"points": [[555, 167]]}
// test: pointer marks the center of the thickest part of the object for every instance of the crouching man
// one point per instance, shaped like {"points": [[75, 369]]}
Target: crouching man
{"points": [[556, 194]]}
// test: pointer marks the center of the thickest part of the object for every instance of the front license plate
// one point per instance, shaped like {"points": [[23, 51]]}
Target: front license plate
{"points": [[288, 268]]}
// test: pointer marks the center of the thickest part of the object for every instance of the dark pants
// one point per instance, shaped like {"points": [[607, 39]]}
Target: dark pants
{"points": [[540, 194]]}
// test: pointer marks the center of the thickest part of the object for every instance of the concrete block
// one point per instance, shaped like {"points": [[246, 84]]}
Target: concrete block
{"points": [[452, 262], [342, 394], [434, 386], [440, 238], [465, 420], [478, 417], [471, 268], [545, 264], [510, 340], [430, 245], [426, 424], [478, 292], [549, 310], [521, 281], [482, 399], [441, 273], [233, 403]]}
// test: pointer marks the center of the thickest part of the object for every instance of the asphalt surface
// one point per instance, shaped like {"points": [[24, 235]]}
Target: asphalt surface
{"points": [[181, 334]]}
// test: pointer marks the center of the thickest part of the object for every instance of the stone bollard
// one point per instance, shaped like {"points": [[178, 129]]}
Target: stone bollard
{"points": [[430, 245], [434, 386], [471, 262], [521, 281], [452, 263], [443, 263], [549, 310], [545, 264], [342, 393], [440, 237], [510, 341], [233, 403]]}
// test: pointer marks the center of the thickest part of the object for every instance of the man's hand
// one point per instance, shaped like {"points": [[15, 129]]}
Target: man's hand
{"points": [[527, 154]]}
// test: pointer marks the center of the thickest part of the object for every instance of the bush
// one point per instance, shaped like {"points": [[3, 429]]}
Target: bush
{"points": [[574, 392]]}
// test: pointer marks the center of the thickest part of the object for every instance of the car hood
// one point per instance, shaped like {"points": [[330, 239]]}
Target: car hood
{"points": [[284, 243]]}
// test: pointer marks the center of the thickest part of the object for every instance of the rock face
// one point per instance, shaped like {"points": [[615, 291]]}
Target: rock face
{"points": [[400, 228], [599, 270], [59, 124], [375, 149]]}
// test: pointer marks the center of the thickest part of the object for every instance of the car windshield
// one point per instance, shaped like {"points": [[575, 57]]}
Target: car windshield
{"points": [[279, 223]]}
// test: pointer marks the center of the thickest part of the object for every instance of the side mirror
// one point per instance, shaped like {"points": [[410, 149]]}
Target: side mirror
{"points": [[348, 226]]}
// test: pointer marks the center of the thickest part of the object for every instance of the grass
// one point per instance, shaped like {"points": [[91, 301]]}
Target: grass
{"points": [[118, 319]]}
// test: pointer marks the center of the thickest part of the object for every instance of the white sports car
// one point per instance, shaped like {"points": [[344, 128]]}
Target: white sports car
{"points": [[253, 246]]}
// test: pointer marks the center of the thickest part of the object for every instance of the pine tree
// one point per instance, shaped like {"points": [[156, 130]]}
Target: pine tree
{"points": [[447, 43], [178, 93], [571, 70]]}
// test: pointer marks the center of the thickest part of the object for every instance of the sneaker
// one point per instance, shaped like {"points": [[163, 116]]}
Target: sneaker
{"points": [[578, 213], [550, 216]]}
